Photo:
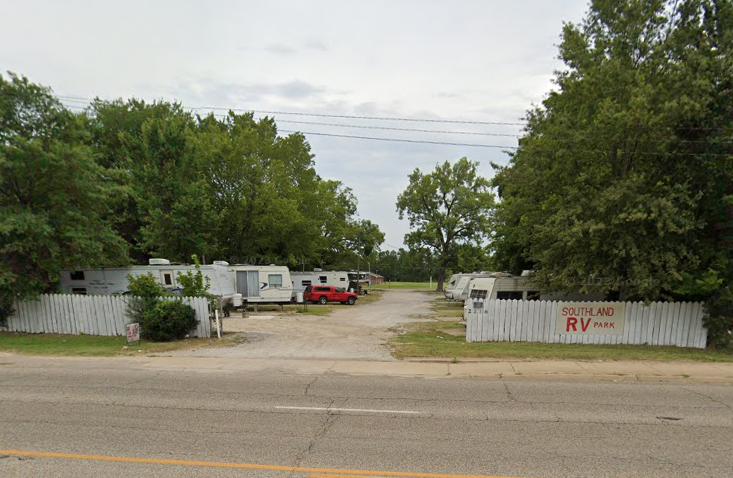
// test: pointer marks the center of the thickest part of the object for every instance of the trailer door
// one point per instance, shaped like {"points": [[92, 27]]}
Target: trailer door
{"points": [[248, 283]]}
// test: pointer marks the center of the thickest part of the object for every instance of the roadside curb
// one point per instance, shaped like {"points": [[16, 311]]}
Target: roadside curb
{"points": [[626, 372]]}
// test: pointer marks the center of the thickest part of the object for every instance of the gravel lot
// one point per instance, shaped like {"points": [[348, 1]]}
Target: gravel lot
{"points": [[356, 333]]}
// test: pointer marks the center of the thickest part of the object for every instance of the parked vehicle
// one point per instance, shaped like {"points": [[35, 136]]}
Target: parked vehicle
{"points": [[322, 294], [301, 280], [113, 280], [505, 286], [262, 284]]}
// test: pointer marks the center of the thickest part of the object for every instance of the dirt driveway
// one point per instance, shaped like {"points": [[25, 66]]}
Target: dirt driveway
{"points": [[357, 332]]}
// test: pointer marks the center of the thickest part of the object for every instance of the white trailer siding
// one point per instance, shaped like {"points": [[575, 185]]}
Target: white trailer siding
{"points": [[518, 288], [113, 280], [303, 279], [263, 284]]}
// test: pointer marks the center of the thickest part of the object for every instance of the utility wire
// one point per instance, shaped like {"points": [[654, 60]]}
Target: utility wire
{"points": [[325, 115], [444, 143], [400, 140]]}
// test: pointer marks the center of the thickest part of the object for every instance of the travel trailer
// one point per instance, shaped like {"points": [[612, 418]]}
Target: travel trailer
{"points": [[301, 280], [359, 280], [502, 285], [262, 284], [113, 280], [457, 288]]}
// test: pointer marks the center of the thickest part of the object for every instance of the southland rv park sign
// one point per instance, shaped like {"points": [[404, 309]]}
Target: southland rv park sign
{"points": [[590, 318]]}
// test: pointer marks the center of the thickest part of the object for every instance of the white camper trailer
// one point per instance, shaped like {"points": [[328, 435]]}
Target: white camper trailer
{"points": [[113, 280], [457, 283], [501, 285], [301, 280], [262, 284]]}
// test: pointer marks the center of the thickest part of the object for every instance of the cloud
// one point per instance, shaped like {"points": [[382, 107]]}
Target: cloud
{"points": [[280, 49]]}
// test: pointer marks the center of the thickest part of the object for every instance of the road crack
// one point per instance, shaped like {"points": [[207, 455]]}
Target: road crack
{"points": [[331, 418]]}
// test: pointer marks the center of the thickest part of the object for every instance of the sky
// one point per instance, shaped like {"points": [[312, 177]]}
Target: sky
{"points": [[478, 61]]}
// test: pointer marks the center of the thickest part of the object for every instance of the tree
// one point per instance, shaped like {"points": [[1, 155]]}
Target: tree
{"points": [[622, 181], [55, 200], [446, 208]]}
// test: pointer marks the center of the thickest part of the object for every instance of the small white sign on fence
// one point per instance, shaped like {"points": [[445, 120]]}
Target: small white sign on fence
{"points": [[590, 318], [133, 332]]}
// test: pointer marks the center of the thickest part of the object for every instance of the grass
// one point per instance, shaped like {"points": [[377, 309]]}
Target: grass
{"points": [[447, 309], [420, 340], [95, 345], [405, 285]]}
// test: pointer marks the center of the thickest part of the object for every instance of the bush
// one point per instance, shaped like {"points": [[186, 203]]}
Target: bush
{"points": [[146, 293], [168, 320]]}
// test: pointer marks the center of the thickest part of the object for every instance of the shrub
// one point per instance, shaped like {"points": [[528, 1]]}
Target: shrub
{"points": [[194, 284], [168, 320], [146, 293]]}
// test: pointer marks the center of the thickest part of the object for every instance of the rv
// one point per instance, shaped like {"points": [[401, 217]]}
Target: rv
{"points": [[262, 284], [457, 288], [501, 285], [359, 280], [113, 280], [301, 280]]}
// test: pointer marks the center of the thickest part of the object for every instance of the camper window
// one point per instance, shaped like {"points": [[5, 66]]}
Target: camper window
{"points": [[343, 279], [323, 279], [275, 280], [79, 290], [167, 278], [509, 295], [77, 275], [478, 294], [305, 282]]}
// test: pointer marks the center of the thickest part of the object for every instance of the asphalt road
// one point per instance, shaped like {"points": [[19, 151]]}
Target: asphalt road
{"points": [[196, 423]]}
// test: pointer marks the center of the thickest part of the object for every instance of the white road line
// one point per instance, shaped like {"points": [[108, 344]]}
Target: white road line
{"points": [[327, 409]]}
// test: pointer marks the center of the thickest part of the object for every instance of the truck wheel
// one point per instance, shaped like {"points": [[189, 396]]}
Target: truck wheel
{"points": [[351, 301], [323, 300]]}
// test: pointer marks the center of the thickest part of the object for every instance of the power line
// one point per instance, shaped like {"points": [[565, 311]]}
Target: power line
{"points": [[400, 140], [447, 143], [326, 115]]}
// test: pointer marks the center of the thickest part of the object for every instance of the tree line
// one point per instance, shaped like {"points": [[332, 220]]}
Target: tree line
{"points": [[126, 180]]}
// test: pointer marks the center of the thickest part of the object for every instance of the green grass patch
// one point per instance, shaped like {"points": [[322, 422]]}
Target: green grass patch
{"points": [[444, 308], [420, 340], [405, 285], [94, 345]]}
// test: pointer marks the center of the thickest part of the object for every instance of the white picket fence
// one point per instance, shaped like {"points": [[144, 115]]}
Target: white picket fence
{"points": [[659, 323], [88, 314]]}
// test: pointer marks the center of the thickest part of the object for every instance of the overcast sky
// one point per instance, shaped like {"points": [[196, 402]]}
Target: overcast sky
{"points": [[480, 61]]}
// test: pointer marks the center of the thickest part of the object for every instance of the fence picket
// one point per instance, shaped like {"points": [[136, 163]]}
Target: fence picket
{"points": [[658, 323], [91, 314]]}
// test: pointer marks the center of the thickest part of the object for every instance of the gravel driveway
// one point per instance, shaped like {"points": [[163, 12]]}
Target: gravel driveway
{"points": [[356, 333]]}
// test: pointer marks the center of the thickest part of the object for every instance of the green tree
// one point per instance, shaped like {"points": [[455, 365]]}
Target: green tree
{"points": [[446, 208], [624, 171], [55, 200]]}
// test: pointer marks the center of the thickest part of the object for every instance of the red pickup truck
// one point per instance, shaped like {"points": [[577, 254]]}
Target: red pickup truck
{"points": [[323, 294]]}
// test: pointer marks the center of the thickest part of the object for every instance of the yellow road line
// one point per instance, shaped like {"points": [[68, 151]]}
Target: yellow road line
{"points": [[330, 475], [157, 461]]}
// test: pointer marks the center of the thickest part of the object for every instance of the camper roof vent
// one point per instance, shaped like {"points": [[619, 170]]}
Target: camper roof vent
{"points": [[317, 270], [221, 263], [159, 262], [526, 273]]}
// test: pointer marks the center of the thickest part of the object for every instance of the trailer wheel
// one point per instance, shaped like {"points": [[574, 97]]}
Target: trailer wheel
{"points": [[323, 300], [351, 301]]}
